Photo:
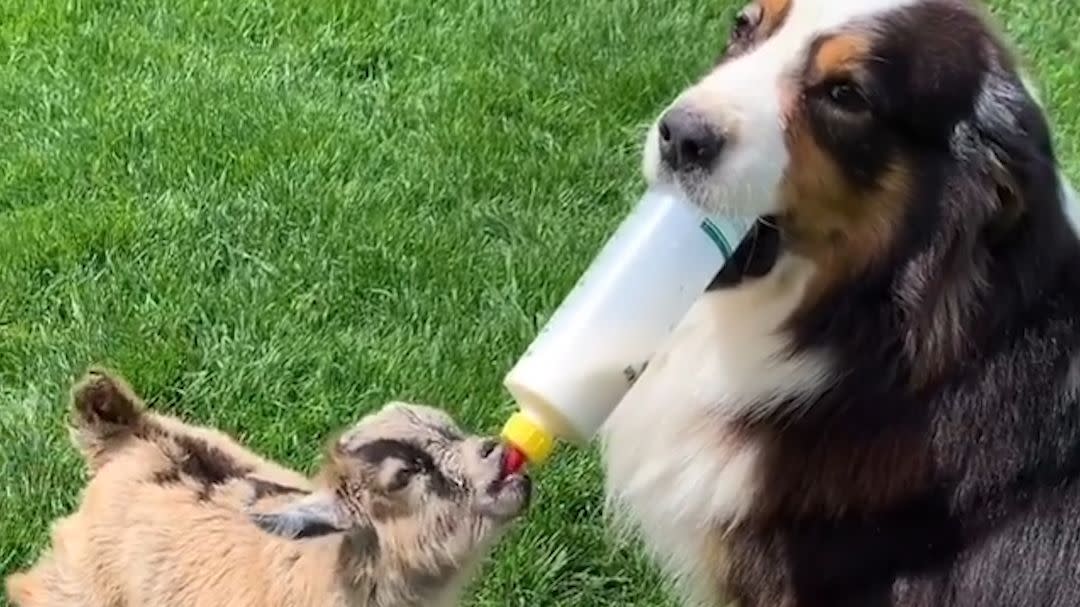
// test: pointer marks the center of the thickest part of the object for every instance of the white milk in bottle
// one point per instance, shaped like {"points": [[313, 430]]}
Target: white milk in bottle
{"points": [[644, 280]]}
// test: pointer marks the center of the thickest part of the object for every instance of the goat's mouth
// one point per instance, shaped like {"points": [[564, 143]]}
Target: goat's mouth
{"points": [[506, 496], [518, 482]]}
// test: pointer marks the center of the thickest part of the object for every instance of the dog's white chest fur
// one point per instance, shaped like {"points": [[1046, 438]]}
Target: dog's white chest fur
{"points": [[673, 466]]}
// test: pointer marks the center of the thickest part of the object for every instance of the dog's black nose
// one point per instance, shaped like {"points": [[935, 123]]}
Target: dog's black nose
{"points": [[687, 141]]}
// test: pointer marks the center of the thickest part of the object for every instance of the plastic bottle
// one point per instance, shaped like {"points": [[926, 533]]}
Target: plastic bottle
{"points": [[630, 298], [641, 284]]}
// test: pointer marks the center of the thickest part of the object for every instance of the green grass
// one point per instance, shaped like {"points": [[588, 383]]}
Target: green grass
{"points": [[275, 216]]}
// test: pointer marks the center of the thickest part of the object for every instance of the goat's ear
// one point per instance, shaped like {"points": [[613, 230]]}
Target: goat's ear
{"points": [[314, 515], [103, 398]]}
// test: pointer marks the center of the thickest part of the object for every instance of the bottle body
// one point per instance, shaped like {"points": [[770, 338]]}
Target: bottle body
{"points": [[641, 284]]}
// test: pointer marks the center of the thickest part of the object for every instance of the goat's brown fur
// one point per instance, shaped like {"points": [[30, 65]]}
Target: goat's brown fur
{"points": [[178, 515]]}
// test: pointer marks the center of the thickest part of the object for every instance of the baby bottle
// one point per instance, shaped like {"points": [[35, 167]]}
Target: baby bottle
{"points": [[644, 280]]}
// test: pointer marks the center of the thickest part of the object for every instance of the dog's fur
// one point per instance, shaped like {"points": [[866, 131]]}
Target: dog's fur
{"points": [[176, 515], [878, 401]]}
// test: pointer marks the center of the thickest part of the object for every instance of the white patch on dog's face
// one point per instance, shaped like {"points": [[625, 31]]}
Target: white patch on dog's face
{"points": [[744, 100], [674, 465]]}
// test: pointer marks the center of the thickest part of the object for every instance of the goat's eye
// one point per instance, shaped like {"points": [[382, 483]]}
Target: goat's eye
{"points": [[402, 478], [847, 96]]}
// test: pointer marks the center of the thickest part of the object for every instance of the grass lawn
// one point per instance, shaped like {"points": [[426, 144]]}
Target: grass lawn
{"points": [[274, 216]]}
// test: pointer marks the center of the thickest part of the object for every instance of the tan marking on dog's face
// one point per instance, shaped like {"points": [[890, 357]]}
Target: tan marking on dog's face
{"points": [[841, 228], [839, 56], [842, 225], [774, 13]]}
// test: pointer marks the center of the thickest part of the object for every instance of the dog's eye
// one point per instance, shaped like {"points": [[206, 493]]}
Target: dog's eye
{"points": [[746, 22], [847, 96], [742, 32]]}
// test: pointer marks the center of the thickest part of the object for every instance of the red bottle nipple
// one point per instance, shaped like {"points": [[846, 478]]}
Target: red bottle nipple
{"points": [[514, 460]]}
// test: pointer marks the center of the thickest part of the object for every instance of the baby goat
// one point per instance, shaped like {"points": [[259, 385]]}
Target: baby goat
{"points": [[182, 516]]}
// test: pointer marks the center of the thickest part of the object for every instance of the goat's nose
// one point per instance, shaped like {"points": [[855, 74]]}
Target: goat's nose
{"points": [[688, 141]]}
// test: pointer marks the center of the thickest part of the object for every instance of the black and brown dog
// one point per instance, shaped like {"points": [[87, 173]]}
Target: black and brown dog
{"points": [[878, 402]]}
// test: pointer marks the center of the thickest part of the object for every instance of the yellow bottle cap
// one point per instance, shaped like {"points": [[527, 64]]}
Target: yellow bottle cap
{"points": [[528, 436]]}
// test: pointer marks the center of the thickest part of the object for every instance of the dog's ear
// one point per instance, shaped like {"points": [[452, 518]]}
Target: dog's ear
{"points": [[1018, 156], [1009, 200], [317, 514]]}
